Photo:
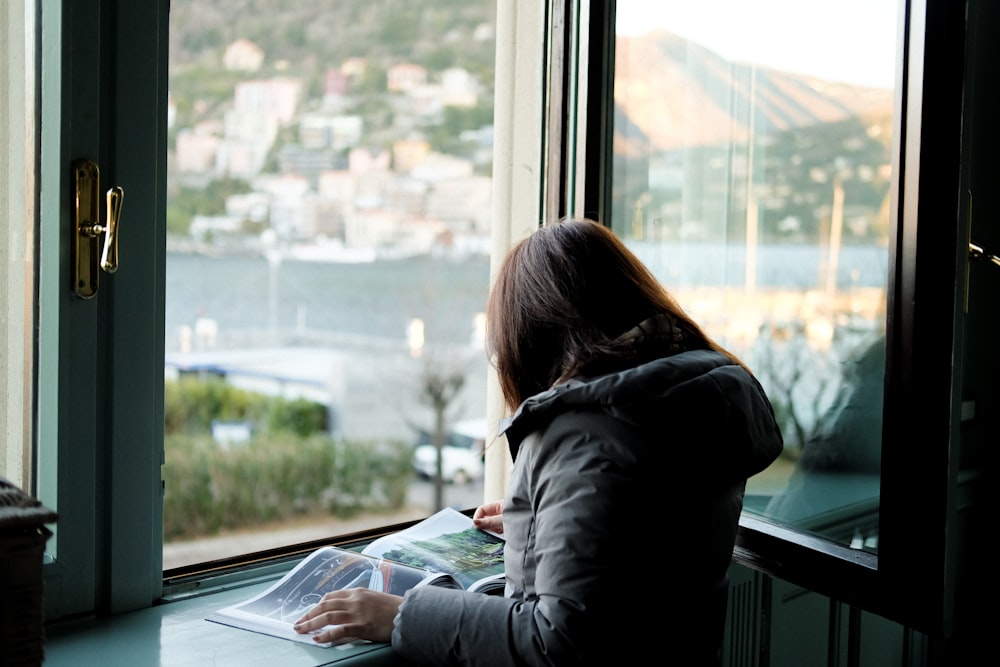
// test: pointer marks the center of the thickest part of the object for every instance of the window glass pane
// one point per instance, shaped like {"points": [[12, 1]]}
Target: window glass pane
{"points": [[17, 204], [327, 261], [752, 164]]}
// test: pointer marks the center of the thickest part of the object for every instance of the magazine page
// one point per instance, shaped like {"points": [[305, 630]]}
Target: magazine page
{"points": [[448, 542], [275, 610], [493, 584]]}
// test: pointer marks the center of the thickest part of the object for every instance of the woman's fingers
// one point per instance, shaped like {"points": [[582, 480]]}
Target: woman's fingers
{"points": [[489, 516], [356, 613], [328, 611], [488, 509], [492, 523]]}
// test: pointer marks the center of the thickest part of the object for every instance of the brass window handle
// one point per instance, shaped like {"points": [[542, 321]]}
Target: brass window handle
{"points": [[88, 233], [977, 251]]}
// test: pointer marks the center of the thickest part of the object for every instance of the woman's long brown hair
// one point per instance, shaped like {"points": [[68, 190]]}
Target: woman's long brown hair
{"points": [[561, 296]]}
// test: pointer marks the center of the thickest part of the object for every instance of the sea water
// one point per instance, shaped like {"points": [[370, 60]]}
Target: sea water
{"points": [[343, 333]]}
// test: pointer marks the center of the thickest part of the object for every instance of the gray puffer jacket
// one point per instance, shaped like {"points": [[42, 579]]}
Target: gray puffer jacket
{"points": [[620, 518]]}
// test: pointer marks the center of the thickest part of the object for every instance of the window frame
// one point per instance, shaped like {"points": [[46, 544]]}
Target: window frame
{"points": [[908, 581], [100, 410], [17, 202], [104, 87]]}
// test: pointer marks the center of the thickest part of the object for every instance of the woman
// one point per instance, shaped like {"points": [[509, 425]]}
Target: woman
{"points": [[632, 435]]}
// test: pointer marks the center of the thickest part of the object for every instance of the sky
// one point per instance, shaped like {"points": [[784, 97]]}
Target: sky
{"points": [[850, 41]]}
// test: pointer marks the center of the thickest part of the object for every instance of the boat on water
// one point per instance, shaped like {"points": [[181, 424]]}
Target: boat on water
{"points": [[332, 250]]}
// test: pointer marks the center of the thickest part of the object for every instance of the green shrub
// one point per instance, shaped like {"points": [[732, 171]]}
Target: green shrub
{"points": [[298, 416], [290, 466], [210, 487], [190, 404]]}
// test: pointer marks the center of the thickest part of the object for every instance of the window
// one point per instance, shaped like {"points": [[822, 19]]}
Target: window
{"points": [[729, 171], [328, 240], [103, 367], [752, 172], [101, 362]]}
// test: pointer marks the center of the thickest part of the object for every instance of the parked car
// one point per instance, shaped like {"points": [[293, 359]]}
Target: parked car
{"points": [[461, 456]]}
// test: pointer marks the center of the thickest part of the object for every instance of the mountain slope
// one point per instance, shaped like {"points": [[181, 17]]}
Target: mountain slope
{"points": [[677, 93]]}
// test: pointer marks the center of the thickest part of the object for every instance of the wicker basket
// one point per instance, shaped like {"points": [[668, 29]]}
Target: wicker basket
{"points": [[22, 546]]}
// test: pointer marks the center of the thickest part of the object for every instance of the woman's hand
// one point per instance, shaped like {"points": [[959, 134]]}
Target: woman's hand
{"points": [[489, 517], [356, 613]]}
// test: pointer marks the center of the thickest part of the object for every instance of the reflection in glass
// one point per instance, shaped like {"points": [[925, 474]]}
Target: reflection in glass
{"points": [[752, 165], [329, 186]]}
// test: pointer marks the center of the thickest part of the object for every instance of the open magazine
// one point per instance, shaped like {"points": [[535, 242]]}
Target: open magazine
{"points": [[445, 549]]}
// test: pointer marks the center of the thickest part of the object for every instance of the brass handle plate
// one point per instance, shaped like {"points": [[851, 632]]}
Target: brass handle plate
{"points": [[88, 233]]}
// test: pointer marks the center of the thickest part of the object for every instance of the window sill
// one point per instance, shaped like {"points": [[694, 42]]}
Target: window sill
{"points": [[176, 633]]}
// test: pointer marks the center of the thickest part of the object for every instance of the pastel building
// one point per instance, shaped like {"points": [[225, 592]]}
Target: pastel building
{"points": [[243, 56], [405, 76]]}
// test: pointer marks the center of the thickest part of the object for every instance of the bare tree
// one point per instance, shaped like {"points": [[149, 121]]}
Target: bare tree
{"points": [[439, 387], [800, 380]]}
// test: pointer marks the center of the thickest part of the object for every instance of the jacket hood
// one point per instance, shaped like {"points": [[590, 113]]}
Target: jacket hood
{"points": [[706, 406]]}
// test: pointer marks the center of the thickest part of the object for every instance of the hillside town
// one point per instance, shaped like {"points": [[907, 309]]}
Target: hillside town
{"points": [[319, 188]]}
